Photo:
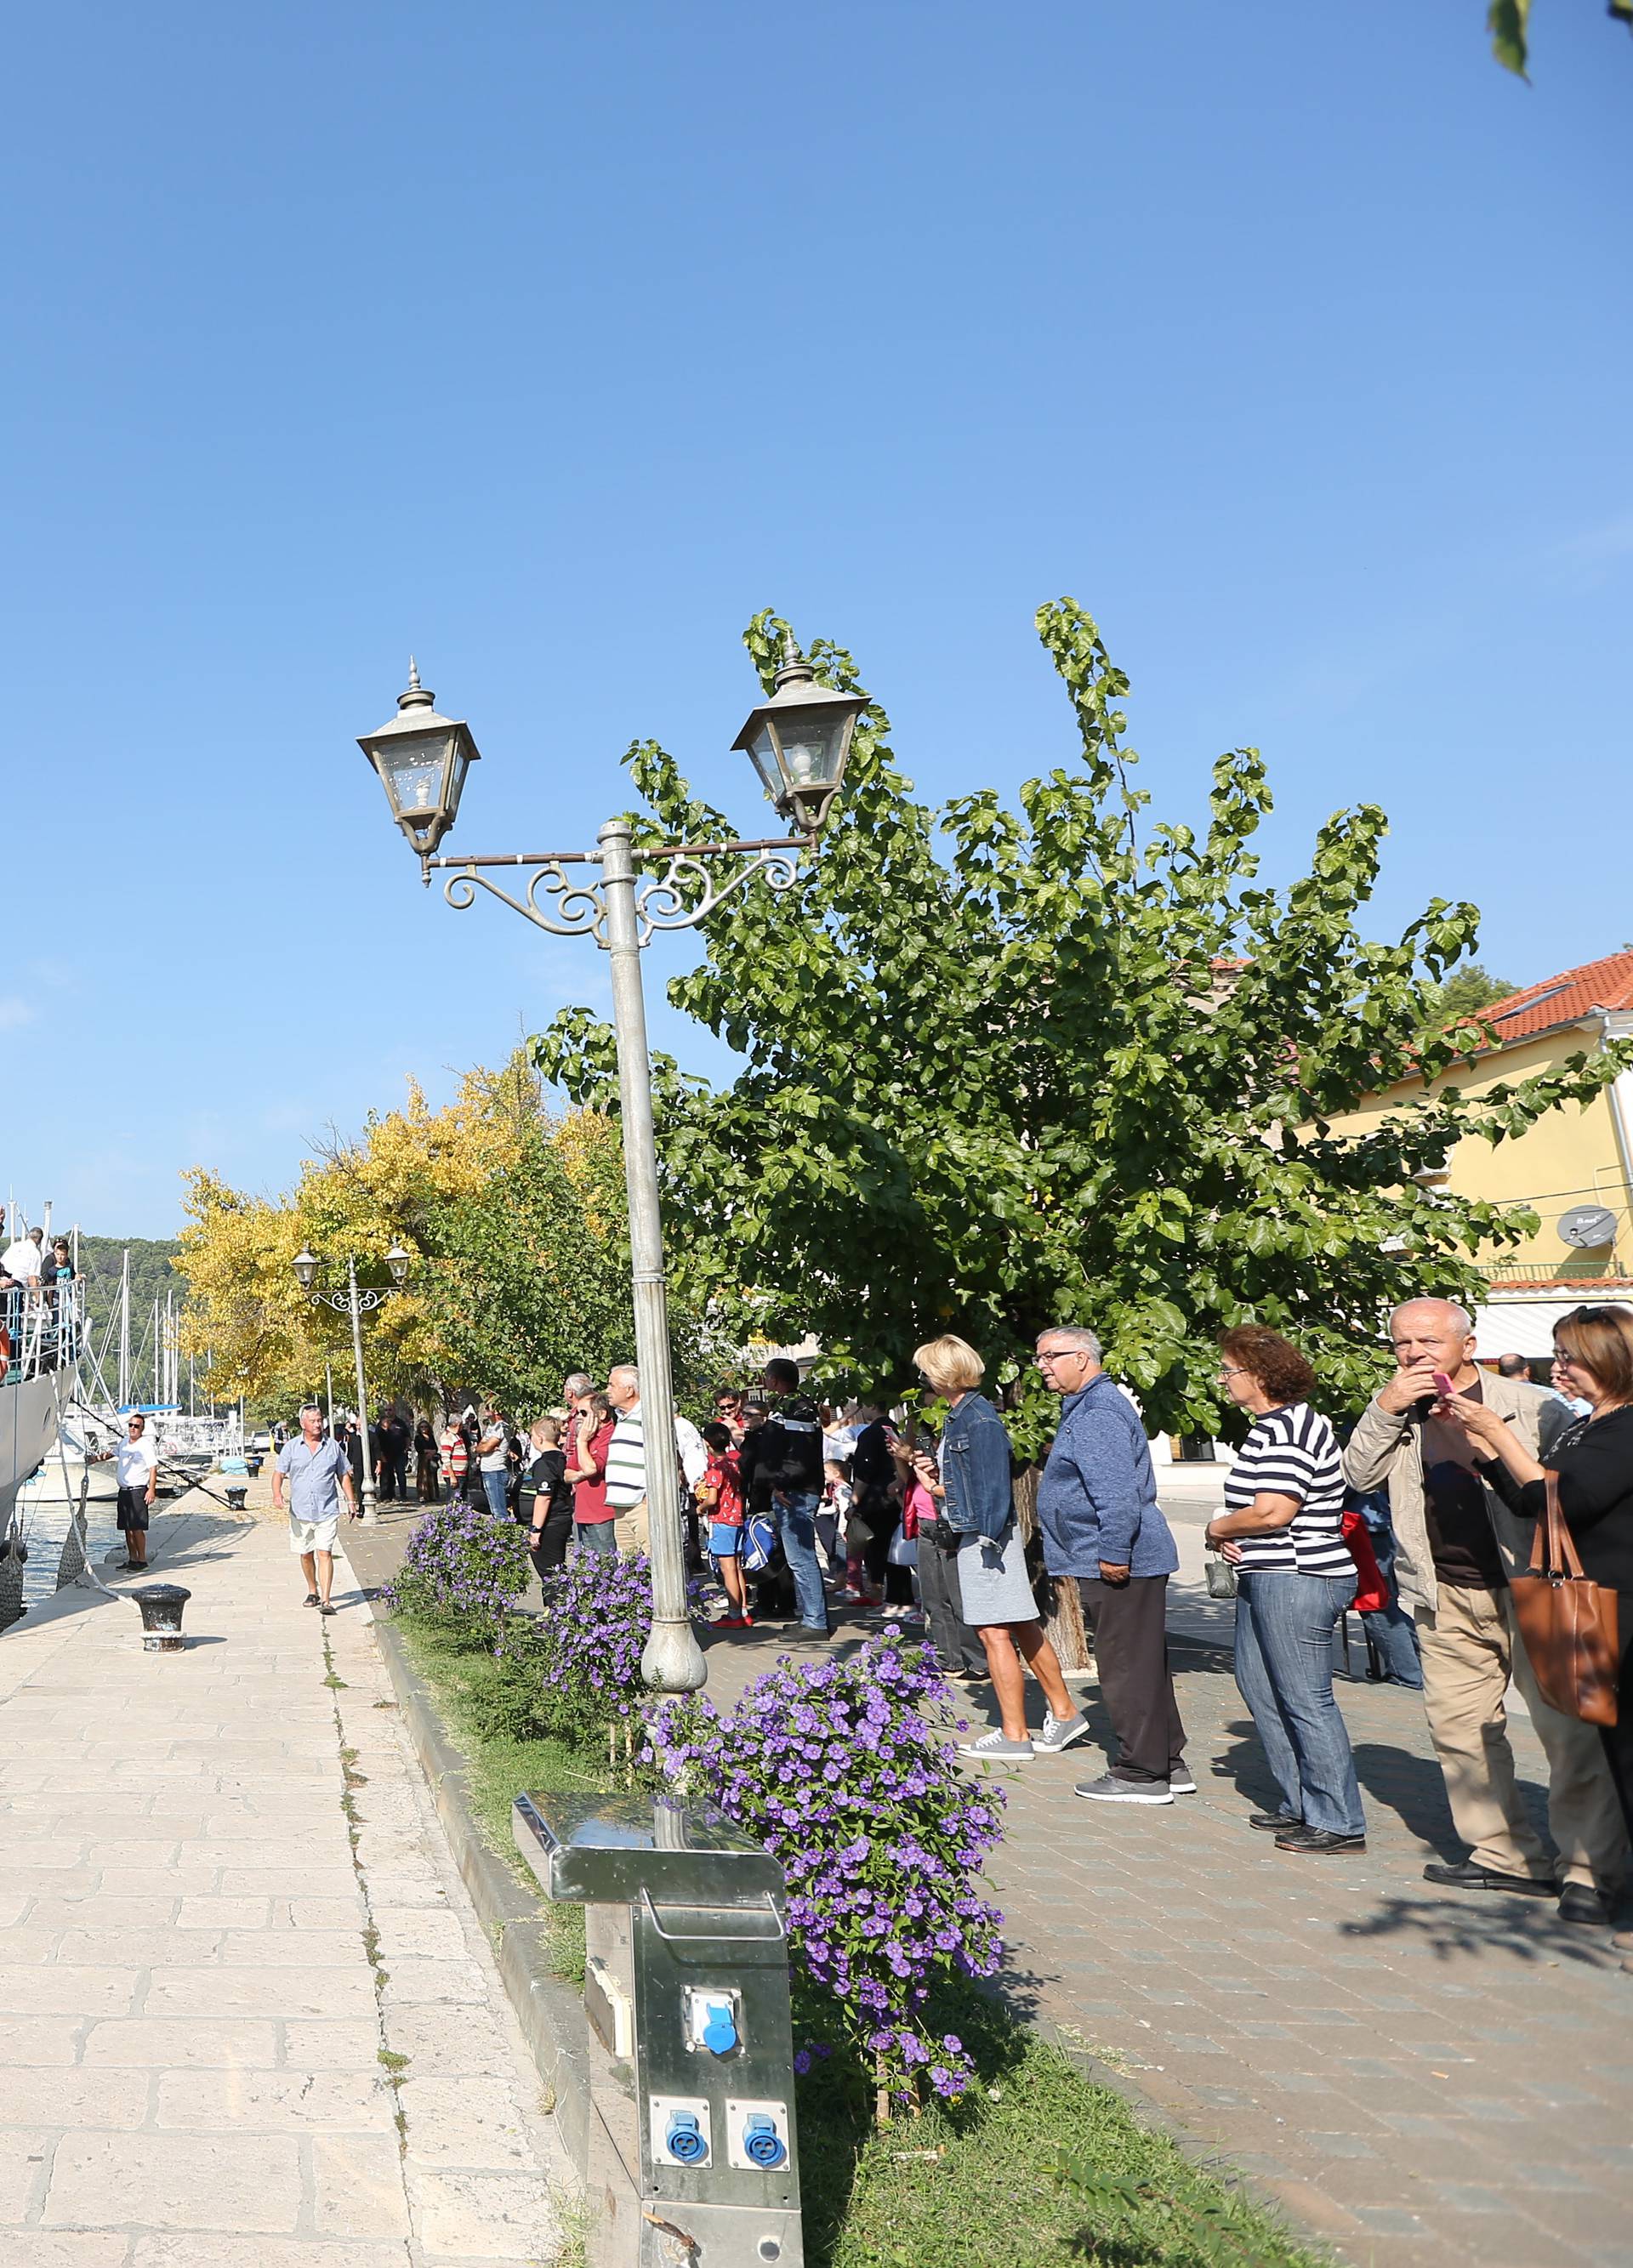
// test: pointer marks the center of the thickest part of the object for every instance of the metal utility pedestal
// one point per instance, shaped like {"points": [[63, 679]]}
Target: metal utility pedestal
{"points": [[693, 2161]]}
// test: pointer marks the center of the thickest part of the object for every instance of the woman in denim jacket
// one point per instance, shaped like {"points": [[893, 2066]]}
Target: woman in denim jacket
{"points": [[975, 1493]]}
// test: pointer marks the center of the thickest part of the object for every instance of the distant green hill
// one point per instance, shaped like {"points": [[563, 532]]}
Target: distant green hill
{"points": [[102, 1261]]}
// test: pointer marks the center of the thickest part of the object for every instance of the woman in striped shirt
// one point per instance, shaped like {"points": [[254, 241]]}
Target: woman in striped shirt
{"points": [[1284, 1502]]}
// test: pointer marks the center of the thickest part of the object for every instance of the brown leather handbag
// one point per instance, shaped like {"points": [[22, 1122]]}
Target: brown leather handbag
{"points": [[1567, 1624]]}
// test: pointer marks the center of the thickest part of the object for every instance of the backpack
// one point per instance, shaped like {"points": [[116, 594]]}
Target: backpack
{"points": [[759, 1541]]}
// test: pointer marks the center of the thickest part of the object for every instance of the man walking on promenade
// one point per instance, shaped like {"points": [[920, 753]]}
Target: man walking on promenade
{"points": [[1097, 1510], [319, 1474], [785, 1452], [1456, 1545]]}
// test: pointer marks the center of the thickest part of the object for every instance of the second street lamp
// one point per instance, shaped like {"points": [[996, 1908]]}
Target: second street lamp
{"points": [[799, 741], [357, 1304]]}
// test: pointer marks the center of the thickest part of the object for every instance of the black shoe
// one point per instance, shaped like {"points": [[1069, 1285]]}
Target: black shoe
{"points": [[1468, 1876], [312, 1598], [1266, 1821], [1319, 1842], [1578, 1902]]}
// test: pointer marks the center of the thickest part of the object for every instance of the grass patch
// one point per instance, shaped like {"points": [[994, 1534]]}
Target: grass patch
{"points": [[975, 2182], [498, 1769]]}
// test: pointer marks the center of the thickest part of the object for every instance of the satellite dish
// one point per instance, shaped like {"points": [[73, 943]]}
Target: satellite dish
{"points": [[1585, 1225]]}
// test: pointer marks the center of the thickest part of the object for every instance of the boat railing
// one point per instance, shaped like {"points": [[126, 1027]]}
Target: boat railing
{"points": [[41, 1328]]}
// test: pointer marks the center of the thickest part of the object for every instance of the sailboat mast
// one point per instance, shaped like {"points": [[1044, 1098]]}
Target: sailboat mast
{"points": [[124, 1331]]}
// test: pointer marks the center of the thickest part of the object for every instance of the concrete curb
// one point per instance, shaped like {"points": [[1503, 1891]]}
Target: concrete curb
{"points": [[549, 2011]]}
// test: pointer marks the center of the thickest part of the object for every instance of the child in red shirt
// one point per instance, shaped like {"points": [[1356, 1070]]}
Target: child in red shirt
{"points": [[719, 1494]]}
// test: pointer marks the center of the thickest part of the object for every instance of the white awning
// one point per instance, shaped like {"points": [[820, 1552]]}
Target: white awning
{"points": [[1527, 1326]]}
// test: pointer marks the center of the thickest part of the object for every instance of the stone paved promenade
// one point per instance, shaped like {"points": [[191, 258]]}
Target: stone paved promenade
{"points": [[197, 1980]]}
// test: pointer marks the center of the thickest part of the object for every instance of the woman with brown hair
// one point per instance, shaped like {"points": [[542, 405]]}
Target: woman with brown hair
{"points": [[1283, 1529], [1594, 1458]]}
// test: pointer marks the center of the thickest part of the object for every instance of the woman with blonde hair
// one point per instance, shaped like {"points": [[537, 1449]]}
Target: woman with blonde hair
{"points": [[973, 1490]]}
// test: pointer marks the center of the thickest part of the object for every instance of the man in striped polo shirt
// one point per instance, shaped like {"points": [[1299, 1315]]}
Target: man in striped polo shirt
{"points": [[627, 1460]]}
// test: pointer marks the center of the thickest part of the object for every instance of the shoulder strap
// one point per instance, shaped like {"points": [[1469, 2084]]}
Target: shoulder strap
{"points": [[1562, 1556]]}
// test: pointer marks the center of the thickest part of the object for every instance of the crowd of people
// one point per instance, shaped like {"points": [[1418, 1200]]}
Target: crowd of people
{"points": [[1422, 1515]]}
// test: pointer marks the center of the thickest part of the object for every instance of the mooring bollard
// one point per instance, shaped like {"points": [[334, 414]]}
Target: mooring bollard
{"points": [[237, 1495], [161, 1605]]}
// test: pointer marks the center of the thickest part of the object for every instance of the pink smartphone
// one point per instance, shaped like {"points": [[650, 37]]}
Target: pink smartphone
{"points": [[1443, 1386]]}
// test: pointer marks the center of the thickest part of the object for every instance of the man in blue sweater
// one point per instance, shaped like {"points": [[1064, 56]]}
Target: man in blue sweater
{"points": [[1097, 1510]]}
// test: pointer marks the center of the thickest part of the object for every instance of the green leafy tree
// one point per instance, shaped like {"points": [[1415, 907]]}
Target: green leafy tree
{"points": [[1007, 1068], [1464, 994], [1508, 23]]}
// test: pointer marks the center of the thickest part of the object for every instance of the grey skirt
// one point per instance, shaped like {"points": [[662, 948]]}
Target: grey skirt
{"points": [[993, 1583]]}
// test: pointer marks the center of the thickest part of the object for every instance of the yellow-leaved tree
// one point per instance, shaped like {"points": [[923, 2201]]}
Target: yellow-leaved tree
{"points": [[518, 1230]]}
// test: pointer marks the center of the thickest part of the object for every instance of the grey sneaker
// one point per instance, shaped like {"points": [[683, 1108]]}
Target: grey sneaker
{"points": [[1059, 1733], [997, 1747], [1110, 1789], [1180, 1782]]}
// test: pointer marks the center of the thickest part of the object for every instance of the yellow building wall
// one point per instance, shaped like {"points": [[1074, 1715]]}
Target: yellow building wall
{"points": [[1568, 1158]]}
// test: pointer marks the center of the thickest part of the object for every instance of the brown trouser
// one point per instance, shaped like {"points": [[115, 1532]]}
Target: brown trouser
{"points": [[631, 1529], [1471, 1650]]}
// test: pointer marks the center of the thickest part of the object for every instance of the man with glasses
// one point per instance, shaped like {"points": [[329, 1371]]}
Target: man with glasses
{"points": [[1457, 1545], [1101, 1525], [319, 1473], [136, 1474]]}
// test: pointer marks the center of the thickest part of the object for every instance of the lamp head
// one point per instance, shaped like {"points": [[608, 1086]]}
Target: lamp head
{"points": [[800, 740], [422, 760]]}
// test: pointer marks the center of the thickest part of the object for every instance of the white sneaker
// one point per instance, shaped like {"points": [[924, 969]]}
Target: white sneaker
{"points": [[997, 1745], [1059, 1733]]}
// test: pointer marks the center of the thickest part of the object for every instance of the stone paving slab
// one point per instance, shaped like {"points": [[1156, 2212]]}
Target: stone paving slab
{"points": [[192, 2019]]}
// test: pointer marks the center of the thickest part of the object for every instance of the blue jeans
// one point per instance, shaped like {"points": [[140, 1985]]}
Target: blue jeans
{"points": [[493, 1489], [596, 1537], [1284, 1625], [794, 1512], [1392, 1631]]}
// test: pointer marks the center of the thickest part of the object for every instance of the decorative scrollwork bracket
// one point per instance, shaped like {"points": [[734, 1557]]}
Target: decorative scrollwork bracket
{"points": [[680, 897]]}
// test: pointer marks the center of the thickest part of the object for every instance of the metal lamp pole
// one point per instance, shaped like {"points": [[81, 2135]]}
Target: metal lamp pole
{"points": [[798, 739], [357, 1304]]}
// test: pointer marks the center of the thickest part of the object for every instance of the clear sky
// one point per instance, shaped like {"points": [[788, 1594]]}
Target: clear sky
{"points": [[551, 342]]}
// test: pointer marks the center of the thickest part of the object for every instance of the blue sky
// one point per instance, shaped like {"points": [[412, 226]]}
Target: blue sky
{"points": [[551, 343]]}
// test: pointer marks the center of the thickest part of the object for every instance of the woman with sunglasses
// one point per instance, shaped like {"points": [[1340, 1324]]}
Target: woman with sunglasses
{"points": [[1593, 1459]]}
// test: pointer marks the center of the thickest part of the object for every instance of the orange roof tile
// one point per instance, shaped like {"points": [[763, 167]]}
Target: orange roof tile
{"points": [[1562, 1000]]}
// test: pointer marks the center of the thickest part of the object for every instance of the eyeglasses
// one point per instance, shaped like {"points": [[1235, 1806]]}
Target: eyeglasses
{"points": [[1046, 1355], [1226, 1372]]}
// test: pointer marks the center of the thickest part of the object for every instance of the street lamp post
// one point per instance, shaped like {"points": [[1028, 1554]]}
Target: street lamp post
{"points": [[357, 1304], [798, 740]]}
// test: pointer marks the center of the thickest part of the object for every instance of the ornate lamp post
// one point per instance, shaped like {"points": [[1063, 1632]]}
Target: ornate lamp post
{"points": [[357, 1304], [798, 740]]}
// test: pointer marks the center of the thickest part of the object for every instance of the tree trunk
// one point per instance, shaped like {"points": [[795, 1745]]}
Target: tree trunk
{"points": [[1060, 1604]]}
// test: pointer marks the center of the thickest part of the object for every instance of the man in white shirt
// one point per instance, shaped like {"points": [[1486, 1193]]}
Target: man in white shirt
{"points": [[20, 1259], [135, 1472]]}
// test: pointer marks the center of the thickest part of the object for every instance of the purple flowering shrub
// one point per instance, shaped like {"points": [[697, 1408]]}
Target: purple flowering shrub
{"points": [[576, 1669], [462, 1569], [841, 1769]]}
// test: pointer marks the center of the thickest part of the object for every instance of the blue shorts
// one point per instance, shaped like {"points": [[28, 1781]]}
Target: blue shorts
{"points": [[725, 1539]]}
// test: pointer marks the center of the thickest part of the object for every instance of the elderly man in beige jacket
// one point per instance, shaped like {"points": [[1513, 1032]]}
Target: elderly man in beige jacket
{"points": [[1456, 1545]]}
